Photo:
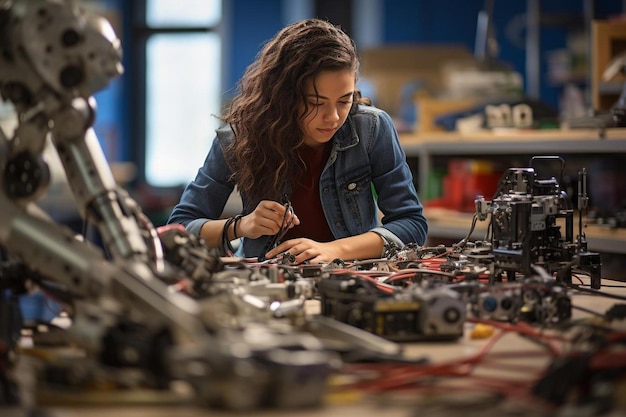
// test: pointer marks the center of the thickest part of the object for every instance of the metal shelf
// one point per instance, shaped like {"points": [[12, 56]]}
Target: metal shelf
{"points": [[510, 142]]}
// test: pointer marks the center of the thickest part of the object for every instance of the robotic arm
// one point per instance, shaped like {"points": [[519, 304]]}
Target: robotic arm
{"points": [[53, 57]]}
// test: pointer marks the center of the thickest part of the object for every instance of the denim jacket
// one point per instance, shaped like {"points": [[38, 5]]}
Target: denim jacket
{"points": [[365, 173]]}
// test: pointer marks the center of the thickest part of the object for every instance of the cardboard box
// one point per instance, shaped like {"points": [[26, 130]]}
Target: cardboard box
{"points": [[389, 68], [429, 109]]}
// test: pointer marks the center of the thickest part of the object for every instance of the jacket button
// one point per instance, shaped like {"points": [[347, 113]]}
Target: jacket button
{"points": [[325, 189], [351, 186]]}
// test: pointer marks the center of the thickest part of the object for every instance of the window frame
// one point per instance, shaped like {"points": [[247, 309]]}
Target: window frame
{"points": [[141, 33]]}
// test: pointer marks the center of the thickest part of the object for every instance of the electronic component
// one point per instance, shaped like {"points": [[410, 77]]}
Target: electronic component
{"points": [[531, 300], [469, 269], [532, 224], [395, 313], [502, 304]]}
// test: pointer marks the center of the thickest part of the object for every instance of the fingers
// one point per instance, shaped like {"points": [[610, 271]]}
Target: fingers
{"points": [[302, 249], [293, 220], [271, 216], [286, 246]]}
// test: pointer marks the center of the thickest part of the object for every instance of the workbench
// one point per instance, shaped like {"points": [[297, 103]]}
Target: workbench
{"points": [[362, 404]]}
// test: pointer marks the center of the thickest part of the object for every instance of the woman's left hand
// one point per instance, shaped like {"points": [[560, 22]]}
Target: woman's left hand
{"points": [[306, 250]]}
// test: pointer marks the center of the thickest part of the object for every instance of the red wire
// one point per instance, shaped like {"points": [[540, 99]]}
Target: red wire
{"points": [[395, 377]]}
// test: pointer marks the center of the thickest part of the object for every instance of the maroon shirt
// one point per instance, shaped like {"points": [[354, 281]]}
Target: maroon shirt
{"points": [[305, 197]]}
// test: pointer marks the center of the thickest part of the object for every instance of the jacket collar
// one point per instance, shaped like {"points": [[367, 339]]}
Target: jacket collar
{"points": [[346, 137]]}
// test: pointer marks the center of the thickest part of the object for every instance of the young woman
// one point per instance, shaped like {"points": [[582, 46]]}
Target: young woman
{"points": [[321, 174]]}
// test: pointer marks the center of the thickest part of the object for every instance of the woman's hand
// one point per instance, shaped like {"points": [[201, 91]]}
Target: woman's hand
{"points": [[307, 250], [266, 219]]}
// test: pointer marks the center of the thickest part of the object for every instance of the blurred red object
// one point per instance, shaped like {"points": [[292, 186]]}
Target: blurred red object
{"points": [[465, 181]]}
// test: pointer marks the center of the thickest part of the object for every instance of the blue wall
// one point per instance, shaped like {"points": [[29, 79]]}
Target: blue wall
{"points": [[419, 21], [249, 23], [455, 22]]}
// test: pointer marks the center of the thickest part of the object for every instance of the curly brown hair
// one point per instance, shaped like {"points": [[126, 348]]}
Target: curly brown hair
{"points": [[270, 101]]}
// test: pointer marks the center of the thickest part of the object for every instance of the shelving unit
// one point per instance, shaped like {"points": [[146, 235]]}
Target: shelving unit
{"points": [[453, 225], [608, 41], [510, 142]]}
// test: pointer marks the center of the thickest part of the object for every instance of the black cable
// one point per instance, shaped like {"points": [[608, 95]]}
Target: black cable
{"points": [[464, 241], [596, 292], [588, 311]]}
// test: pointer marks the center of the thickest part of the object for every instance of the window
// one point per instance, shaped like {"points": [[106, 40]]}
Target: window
{"points": [[182, 81]]}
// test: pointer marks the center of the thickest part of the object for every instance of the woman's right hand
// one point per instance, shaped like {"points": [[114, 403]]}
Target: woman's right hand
{"points": [[266, 219]]}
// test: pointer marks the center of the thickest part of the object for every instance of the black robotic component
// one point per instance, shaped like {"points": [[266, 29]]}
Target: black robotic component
{"points": [[412, 313], [526, 212], [534, 300]]}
